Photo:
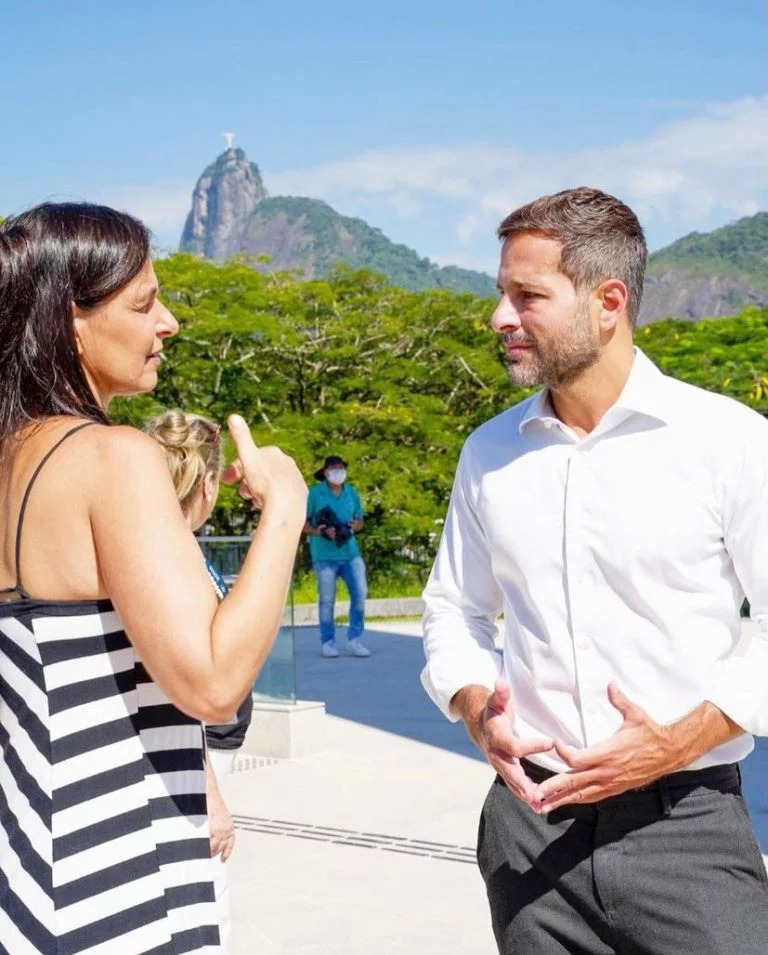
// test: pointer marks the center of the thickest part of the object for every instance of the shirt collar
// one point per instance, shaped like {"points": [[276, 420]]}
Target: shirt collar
{"points": [[539, 409], [643, 394]]}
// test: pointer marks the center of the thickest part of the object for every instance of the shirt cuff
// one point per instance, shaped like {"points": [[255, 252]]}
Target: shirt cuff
{"points": [[442, 686], [738, 685]]}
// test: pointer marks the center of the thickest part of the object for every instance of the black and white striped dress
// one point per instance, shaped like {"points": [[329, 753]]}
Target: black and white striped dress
{"points": [[104, 844]]}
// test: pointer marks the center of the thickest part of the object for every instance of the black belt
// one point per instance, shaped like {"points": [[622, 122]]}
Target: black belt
{"points": [[722, 777]]}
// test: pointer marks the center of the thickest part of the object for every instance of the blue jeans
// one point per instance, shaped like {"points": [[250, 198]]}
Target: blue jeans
{"points": [[352, 572]]}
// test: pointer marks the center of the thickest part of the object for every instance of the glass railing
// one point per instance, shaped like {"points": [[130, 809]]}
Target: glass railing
{"points": [[225, 553], [404, 574], [277, 680]]}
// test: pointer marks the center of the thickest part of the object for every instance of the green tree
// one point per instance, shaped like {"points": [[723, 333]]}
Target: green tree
{"points": [[392, 379]]}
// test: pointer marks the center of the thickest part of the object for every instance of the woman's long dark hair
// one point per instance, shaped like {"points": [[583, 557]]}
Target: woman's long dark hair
{"points": [[53, 256]]}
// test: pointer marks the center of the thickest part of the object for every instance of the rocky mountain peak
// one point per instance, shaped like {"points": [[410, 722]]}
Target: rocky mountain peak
{"points": [[223, 202], [231, 213], [700, 275]]}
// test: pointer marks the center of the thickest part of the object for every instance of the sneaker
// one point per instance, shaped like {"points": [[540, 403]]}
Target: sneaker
{"points": [[328, 649], [356, 648]]}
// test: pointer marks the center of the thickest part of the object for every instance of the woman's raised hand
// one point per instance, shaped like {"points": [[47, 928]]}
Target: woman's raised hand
{"points": [[266, 475]]}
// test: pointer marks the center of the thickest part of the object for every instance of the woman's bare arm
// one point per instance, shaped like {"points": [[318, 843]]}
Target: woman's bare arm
{"points": [[204, 655]]}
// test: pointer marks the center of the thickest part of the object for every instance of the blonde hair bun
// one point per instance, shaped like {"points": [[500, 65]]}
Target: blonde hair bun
{"points": [[192, 446]]}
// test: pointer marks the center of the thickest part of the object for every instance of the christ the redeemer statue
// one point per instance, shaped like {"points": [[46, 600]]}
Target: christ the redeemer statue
{"points": [[229, 138]]}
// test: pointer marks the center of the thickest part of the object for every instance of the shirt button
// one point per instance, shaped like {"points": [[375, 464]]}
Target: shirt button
{"points": [[592, 708], [583, 643]]}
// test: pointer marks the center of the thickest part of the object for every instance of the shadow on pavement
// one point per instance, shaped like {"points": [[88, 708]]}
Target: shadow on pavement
{"points": [[754, 778], [384, 691]]}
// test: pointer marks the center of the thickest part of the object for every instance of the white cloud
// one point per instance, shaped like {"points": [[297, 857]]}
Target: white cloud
{"points": [[162, 206], [711, 165], [405, 204], [694, 173], [466, 260], [402, 202]]}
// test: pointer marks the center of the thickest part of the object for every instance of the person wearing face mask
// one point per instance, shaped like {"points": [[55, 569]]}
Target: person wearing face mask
{"points": [[334, 518]]}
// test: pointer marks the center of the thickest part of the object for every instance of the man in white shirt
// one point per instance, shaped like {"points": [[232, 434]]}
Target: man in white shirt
{"points": [[617, 519]]}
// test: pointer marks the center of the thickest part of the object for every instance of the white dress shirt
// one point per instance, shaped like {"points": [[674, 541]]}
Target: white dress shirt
{"points": [[624, 555]]}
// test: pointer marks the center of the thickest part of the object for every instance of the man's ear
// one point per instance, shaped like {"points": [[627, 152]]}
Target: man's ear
{"points": [[613, 298]]}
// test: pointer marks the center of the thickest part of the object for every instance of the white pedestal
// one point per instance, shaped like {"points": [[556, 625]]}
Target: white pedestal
{"points": [[285, 730]]}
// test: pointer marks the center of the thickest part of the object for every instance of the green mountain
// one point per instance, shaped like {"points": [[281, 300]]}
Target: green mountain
{"points": [[701, 275], [709, 274], [309, 235], [231, 214], [738, 249]]}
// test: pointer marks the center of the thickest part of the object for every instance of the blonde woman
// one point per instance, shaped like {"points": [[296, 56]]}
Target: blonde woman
{"points": [[192, 446]]}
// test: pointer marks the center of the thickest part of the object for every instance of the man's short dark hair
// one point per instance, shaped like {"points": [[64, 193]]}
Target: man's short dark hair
{"points": [[601, 239]]}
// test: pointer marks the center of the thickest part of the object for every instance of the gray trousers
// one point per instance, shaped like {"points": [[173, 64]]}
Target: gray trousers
{"points": [[672, 870]]}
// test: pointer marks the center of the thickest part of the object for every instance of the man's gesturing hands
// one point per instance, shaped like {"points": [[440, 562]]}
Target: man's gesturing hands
{"points": [[639, 752]]}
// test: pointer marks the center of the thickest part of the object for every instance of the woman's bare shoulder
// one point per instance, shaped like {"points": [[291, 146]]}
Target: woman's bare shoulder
{"points": [[122, 454], [121, 439], [107, 455]]}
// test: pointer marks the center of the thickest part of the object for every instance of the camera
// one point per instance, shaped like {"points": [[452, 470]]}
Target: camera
{"points": [[328, 517]]}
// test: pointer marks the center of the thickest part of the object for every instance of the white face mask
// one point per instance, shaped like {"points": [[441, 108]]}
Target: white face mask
{"points": [[336, 475]]}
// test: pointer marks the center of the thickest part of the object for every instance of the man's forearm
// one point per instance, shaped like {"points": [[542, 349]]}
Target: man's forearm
{"points": [[469, 702], [701, 730]]}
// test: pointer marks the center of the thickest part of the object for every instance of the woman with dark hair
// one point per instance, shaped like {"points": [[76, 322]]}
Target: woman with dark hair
{"points": [[113, 646]]}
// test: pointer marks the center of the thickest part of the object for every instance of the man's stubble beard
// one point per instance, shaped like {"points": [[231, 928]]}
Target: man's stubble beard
{"points": [[567, 357]]}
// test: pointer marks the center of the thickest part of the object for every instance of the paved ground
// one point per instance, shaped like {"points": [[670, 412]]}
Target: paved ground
{"points": [[368, 846]]}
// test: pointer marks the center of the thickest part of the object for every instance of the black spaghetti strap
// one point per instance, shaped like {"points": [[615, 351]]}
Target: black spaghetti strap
{"points": [[19, 589]]}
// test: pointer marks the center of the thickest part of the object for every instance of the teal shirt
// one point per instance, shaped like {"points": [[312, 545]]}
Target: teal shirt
{"points": [[347, 507]]}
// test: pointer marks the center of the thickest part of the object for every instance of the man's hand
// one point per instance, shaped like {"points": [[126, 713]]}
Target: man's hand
{"points": [[328, 531], [356, 525], [490, 723], [638, 753]]}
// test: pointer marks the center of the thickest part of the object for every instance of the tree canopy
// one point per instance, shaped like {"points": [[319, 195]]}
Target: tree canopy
{"points": [[390, 379]]}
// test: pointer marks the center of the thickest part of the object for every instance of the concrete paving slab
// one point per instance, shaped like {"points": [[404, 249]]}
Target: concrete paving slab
{"points": [[340, 900], [402, 788]]}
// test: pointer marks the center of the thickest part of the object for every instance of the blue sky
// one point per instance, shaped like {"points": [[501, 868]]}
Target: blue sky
{"points": [[430, 120]]}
